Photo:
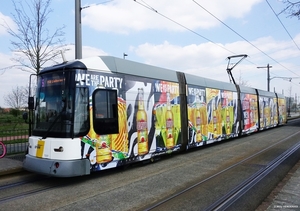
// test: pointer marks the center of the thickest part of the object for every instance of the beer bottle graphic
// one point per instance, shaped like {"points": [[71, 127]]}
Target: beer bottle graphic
{"points": [[169, 124], [228, 123], [215, 121], [198, 120], [103, 152], [142, 128], [246, 108]]}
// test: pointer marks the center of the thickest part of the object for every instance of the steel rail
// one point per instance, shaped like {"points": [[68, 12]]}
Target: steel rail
{"points": [[16, 184], [227, 200], [27, 193], [214, 206]]}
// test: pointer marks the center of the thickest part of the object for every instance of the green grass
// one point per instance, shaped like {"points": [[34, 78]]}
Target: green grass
{"points": [[11, 125]]}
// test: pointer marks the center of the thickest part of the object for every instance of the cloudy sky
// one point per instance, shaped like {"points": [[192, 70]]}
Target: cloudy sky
{"points": [[193, 36]]}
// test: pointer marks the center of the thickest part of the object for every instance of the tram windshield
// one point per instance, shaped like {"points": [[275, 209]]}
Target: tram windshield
{"points": [[61, 107]]}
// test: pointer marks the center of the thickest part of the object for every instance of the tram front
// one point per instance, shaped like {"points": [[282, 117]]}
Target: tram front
{"points": [[61, 117]]}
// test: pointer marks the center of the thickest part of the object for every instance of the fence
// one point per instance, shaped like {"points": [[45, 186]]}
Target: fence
{"points": [[16, 141]]}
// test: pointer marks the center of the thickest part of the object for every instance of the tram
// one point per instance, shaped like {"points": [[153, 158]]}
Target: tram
{"points": [[104, 112]]}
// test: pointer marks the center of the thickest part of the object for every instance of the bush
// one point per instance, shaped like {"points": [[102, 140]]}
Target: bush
{"points": [[9, 121], [15, 112]]}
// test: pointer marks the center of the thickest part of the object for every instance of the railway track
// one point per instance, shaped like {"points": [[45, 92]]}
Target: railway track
{"points": [[232, 199], [21, 185], [238, 173], [255, 177]]}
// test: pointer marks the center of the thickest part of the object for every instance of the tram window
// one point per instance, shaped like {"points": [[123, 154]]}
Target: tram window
{"points": [[105, 111], [81, 120]]}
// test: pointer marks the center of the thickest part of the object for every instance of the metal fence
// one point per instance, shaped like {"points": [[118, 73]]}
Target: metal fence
{"points": [[16, 141]]}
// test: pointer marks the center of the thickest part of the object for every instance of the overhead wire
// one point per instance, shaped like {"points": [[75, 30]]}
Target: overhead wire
{"points": [[286, 32], [276, 15], [244, 38], [144, 4], [282, 24]]}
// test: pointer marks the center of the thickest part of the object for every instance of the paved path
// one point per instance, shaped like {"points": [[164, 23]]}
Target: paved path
{"points": [[9, 166], [286, 196]]}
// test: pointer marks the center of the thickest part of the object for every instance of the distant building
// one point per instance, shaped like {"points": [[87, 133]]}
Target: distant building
{"points": [[4, 110]]}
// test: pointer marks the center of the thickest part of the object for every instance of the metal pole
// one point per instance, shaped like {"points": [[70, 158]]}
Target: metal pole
{"points": [[290, 99], [289, 108], [295, 102], [78, 37], [268, 76], [30, 106]]}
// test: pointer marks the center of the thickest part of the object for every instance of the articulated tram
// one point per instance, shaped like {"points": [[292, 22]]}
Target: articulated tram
{"points": [[103, 112]]}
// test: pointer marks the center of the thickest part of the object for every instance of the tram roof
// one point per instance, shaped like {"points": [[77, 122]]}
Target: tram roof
{"points": [[118, 65], [266, 93]]}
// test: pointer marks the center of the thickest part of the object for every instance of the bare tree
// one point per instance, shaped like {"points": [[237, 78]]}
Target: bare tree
{"points": [[241, 81], [292, 8], [32, 42], [17, 98]]}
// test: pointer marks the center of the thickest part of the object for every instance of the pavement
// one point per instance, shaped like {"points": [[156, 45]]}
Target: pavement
{"points": [[11, 164], [285, 197]]}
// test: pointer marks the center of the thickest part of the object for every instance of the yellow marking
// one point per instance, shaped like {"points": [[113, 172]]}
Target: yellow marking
{"points": [[40, 149]]}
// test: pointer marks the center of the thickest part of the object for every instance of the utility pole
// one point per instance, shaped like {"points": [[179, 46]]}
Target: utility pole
{"points": [[295, 102], [78, 37], [290, 99], [268, 76]]}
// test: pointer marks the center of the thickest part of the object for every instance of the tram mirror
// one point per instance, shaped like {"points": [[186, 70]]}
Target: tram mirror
{"points": [[63, 96], [30, 103]]}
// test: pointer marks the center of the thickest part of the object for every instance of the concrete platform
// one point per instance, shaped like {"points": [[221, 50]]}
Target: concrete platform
{"points": [[9, 165], [286, 196]]}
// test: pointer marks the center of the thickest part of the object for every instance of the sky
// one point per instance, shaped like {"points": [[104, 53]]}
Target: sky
{"points": [[192, 36]]}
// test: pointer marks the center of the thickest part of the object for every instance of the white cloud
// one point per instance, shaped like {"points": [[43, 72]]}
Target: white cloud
{"points": [[87, 51], [194, 58], [6, 21], [206, 60], [209, 60], [155, 40], [124, 16], [11, 78]]}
